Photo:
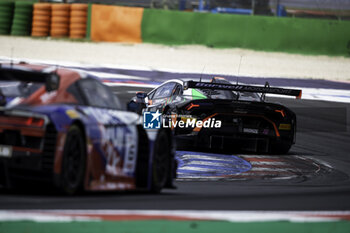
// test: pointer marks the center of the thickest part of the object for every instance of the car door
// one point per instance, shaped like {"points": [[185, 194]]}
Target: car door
{"points": [[116, 141]]}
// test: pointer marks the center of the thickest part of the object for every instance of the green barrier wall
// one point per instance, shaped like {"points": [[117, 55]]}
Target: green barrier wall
{"points": [[308, 36]]}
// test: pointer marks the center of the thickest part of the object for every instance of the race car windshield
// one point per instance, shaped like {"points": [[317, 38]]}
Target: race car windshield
{"points": [[19, 89]]}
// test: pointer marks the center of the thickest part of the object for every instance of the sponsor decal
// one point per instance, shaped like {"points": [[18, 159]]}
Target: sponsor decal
{"points": [[190, 122], [154, 120], [253, 131], [72, 114], [285, 127]]}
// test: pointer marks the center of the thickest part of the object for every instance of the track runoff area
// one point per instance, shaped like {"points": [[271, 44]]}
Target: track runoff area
{"points": [[322, 113]]}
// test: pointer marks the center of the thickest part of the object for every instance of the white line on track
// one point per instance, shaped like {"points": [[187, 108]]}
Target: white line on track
{"points": [[269, 169], [267, 163], [206, 157], [232, 216]]}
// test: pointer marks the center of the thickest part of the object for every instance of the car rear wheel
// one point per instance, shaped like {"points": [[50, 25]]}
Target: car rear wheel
{"points": [[161, 162], [74, 159], [280, 147]]}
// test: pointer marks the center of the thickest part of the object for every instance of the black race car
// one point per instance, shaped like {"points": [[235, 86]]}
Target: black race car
{"points": [[222, 116]]}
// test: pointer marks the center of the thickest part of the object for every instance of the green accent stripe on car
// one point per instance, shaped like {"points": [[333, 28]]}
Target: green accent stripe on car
{"points": [[196, 95]]}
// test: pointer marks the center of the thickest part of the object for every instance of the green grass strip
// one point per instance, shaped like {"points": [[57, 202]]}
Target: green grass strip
{"points": [[165, 226]]}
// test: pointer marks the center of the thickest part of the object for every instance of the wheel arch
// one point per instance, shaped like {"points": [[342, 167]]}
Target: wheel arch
{"points": [[81, 126]]}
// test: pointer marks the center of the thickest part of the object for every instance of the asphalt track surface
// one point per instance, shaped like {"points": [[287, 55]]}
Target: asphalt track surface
{"points": [[323, 136]]}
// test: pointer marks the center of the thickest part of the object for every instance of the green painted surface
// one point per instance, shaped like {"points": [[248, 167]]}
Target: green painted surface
{"points": [[88, 24], [22, 18], [155, 226], [295, 35], [6, 14], [196, 95]]}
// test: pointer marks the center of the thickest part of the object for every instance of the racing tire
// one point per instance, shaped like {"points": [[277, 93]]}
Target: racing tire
{"points": [[38, 12], [77, 27], [41, 24], [23, 11], [59, 26], [4, 31], [79, 6], [41, 30], [82, 14], [161, 162], [78, 20], [77, 35], [39, 34], [60, 7], [44, 18], [74, 162], [42, 6], [59, 19], [22, 18], [60, 14], [5, 15]]}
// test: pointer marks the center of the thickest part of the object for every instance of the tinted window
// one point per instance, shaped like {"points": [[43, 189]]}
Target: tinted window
{"points": [[164, 91], [75, 91], [98, 94], [178, 90], [18, 89], [151, 94]]}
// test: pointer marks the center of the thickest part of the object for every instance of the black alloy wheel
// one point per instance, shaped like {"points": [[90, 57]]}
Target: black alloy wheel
{"points": [[74, 160]]}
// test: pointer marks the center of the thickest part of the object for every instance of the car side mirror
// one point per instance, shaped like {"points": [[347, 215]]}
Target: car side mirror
{"points": [[141, 95], [132, 106]]}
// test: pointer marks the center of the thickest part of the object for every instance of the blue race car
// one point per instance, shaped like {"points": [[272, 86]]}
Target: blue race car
{"points": [[63, 128]]}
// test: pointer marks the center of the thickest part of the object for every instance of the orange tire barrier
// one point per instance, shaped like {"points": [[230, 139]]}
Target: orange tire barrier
{"points": [[40, 24], [78, 13], [42, 6], [116, 24], [78, 20], [41, 19], [60, 31], [78, 31], [59, 26], [60, 20], [60, 7], [79, 7], [39, 34], [77, 27], [40, 29], [77, 36], [60, 13], [41, 12]]}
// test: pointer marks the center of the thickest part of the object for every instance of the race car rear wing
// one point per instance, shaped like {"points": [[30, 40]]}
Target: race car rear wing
{"points": [[243, 88], [51, 80]]}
